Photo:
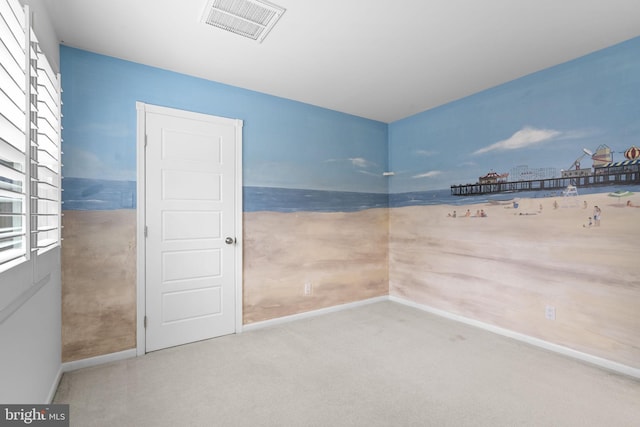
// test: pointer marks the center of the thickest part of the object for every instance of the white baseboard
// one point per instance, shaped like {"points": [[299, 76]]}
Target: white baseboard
{"points": [[585, 357], [98, 360], [313, 313], [54, 386]]}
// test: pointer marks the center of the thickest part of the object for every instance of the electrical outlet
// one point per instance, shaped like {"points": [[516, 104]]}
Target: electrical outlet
{"points": [[550, 312], [307, 289]]}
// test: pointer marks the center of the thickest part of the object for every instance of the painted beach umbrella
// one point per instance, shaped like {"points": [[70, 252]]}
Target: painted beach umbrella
{"points": [[620, 194]]}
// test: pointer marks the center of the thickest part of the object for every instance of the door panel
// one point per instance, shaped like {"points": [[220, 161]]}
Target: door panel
{"points": [[179, 185], [191, 304], [190, 210], [190, 225]]}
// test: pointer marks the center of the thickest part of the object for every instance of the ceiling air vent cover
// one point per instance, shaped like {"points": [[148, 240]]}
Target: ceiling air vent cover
{"points": [[249, 18]]}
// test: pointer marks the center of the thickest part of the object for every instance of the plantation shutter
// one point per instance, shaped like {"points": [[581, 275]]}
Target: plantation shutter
{"points": [[45, 155], [29, 141], [13, 125]]}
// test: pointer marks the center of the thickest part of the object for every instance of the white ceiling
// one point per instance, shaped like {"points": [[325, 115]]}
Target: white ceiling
{"points": [[379, 60]]}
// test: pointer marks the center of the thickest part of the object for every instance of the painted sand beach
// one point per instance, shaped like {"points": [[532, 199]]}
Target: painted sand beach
{"points": [[505, 268], [342, 255], [99, 283]]}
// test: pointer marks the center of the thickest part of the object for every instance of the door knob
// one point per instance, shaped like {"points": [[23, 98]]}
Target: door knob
{"points": [[229, 240]]}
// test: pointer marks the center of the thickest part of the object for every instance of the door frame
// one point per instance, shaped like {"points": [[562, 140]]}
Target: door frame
{"points": [[141, 110]]}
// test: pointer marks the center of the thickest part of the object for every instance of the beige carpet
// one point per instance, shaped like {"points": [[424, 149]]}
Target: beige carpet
{"points": [[383, 364]]}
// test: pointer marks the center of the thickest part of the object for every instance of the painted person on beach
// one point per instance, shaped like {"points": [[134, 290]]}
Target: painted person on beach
{"points": [[596, 216]]}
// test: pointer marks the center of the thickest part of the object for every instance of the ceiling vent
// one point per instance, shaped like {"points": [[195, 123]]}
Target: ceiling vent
{"points": [[248, 18]]}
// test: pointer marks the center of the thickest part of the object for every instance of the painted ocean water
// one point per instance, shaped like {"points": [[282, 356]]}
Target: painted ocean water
{"points": [[97, 194], [297, 200], [85, 194], [100, 194], [293, 200]]}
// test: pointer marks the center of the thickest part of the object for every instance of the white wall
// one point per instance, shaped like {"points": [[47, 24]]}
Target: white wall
{"points": [[30, 362], [45, 32], [30, 304]]}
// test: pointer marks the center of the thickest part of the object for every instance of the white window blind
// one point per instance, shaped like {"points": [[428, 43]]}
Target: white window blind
{"points": [[13, 152], [29, 142]]}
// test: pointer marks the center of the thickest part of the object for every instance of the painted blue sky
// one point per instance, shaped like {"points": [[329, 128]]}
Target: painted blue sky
{"points": [[541, 120], [286, 143]]}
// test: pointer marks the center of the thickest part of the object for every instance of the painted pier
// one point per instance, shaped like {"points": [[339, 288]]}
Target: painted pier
{"points": [[599, 177]]}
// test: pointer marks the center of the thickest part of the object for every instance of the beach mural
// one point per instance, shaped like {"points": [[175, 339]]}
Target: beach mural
{"points": [[490, 212], [518, 206], [315, 200]]}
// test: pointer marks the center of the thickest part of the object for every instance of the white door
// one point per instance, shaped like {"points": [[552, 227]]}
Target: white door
{"points": [[191, 226]]}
